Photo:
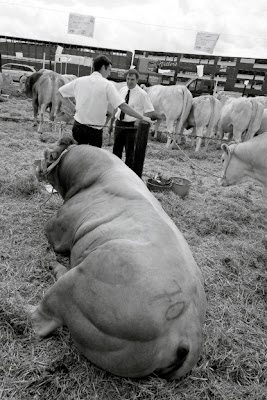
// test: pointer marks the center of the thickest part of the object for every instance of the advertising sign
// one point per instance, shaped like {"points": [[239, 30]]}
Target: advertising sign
{"points": [[206, 41], [81, 25]]}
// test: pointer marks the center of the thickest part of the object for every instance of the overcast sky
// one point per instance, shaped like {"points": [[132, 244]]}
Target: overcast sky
{"points": [[158, 25]]}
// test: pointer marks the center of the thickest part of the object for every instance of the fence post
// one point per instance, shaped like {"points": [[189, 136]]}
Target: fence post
{"points": [[140, 147]]}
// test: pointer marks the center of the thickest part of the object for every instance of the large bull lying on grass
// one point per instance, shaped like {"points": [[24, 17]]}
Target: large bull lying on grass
{"points": [[245, 162], [42, 86], [133, 299]]}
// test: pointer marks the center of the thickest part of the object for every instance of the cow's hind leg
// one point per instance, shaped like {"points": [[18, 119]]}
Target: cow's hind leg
{"points": [[54, 112], [199, 136], [157, 125], [42, 113], [35, 110]]}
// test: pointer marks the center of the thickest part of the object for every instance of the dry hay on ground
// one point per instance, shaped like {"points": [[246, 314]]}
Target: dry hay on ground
{"points": [[224, 228]]}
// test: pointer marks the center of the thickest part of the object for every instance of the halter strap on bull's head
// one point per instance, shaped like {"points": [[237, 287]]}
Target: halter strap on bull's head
{"points": [[52, 157]]}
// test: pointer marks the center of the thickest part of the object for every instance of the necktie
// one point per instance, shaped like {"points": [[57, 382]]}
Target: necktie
{"points": [[122, 114]]}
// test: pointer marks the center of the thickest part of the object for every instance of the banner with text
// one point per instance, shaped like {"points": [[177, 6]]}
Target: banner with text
{"points": [[206, 41], [81, 25]]}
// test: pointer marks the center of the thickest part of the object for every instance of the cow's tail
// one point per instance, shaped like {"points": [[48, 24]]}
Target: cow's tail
{"points": [[187, 104], [213, 116], [56, 82], [255, 120]]}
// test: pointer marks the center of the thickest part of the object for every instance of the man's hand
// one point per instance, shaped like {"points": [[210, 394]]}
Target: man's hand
{"points": [[147, 119]]}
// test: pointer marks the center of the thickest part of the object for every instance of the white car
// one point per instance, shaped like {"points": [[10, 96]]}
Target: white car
{"points": [[16, 71]]}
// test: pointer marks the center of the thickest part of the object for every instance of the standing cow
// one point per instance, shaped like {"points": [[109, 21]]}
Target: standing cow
{"points": [[241, 117], [42, 87], [172, 103], [204, 117], [5, 81], [133, 299]]}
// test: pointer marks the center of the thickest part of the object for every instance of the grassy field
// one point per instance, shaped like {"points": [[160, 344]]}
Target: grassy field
{"points": [[224, 228]]}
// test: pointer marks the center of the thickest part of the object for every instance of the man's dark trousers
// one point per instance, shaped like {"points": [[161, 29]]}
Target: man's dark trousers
{"points": [[84, 134], [125, 136]]}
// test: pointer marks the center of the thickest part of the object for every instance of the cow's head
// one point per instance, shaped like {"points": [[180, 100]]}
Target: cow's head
{"points": [[27, 82], [52, 157], [233, 166], [23, 84]]}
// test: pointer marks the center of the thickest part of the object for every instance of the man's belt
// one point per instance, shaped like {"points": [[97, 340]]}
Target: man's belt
{"points": [[124, 123]]}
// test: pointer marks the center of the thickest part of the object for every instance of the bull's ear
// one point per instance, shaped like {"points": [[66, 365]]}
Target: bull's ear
{"points": [[225, 148]]}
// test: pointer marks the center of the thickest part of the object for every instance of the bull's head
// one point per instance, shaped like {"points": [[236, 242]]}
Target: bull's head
{"points": [[43, 167]]}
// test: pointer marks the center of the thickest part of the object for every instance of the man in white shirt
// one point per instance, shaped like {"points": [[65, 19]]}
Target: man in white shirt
{"points": [[92, 95], [125, 129]]}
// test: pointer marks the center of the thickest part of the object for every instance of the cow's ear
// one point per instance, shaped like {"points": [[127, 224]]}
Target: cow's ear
{"points": [[225, 148]]}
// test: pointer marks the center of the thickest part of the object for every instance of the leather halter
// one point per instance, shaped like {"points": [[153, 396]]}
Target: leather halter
{"points": [[55, 163]]}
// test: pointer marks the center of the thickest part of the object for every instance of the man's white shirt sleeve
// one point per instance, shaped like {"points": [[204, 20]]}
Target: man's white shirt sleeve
{"points": [[68, 90], [114, 97]]}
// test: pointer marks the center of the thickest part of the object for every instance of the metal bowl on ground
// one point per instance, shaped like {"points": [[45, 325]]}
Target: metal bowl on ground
{"points": [[180, 186], [159, 186]]}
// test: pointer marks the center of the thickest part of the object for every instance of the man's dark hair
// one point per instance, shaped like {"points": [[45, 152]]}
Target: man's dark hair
{"points": [[133, 71], [99, 61]]}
